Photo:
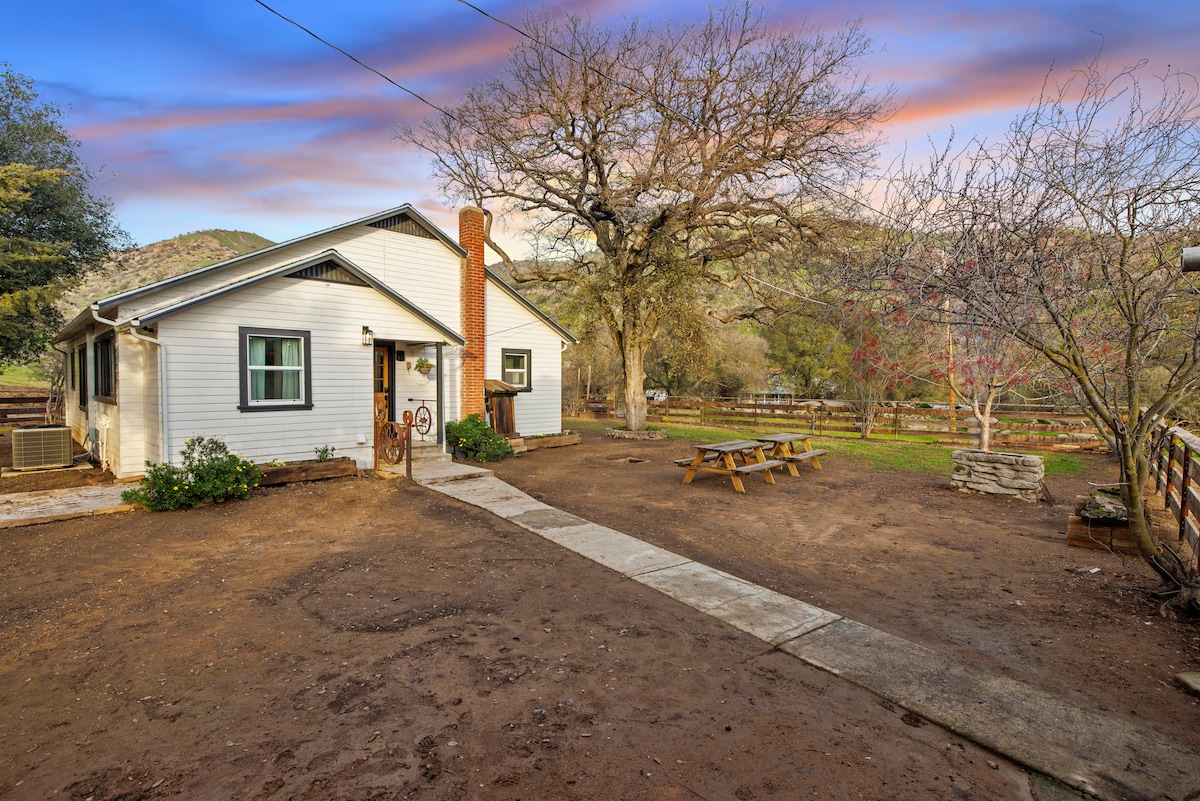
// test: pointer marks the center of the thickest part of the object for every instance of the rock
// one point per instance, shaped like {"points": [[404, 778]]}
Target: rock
{"points": [[1102, 506]]}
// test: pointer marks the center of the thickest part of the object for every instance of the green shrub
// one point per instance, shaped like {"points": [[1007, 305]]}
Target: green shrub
{"points": [[209, 473], [477, 439]]}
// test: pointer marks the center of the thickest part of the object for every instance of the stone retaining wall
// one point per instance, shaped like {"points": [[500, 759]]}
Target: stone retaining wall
{"points": [[621, 433], [1013, 474]]}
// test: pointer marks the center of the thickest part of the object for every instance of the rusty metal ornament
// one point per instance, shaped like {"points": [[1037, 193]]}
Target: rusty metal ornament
{"points": [[391, 443], [423, 420]]}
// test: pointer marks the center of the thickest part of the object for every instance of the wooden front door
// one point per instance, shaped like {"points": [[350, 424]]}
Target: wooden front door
{"points": [[383, 384]]}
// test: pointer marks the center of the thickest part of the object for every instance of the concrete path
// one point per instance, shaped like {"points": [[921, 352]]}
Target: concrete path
{"points": [[1096, 753]]}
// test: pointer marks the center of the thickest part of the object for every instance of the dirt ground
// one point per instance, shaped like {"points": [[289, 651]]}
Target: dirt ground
{"points": [[371, 639]]}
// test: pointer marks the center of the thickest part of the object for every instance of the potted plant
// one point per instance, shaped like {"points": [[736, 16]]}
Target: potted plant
{"points": [[423, 365]]}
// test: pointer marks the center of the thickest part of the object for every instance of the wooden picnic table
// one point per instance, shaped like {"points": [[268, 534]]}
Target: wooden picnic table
{"points": [[719, 457], [784, 449]]}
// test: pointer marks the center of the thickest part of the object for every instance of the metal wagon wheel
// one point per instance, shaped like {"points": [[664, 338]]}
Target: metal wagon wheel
{"points": [[391, 443], [422, 420]]}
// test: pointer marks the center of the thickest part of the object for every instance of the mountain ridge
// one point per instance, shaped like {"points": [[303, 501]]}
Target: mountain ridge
{"points": [[161, 260]]}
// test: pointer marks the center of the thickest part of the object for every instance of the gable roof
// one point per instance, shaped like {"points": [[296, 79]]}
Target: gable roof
{"points": [[150, 316], [419, 219], [387, 218]]}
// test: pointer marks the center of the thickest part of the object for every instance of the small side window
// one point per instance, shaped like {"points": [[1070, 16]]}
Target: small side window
{"points": [[104, 350], [81, 371], [515, 368]]}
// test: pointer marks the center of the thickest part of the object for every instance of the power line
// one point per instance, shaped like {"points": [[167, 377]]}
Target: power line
{"points": [[332, 46]]}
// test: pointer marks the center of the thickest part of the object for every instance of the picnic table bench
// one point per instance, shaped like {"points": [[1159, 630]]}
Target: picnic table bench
{"points": [[783, 449], [723, 457]]}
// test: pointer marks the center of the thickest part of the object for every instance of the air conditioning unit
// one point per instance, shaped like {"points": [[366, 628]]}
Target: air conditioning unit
{"points": [[45, 446]]}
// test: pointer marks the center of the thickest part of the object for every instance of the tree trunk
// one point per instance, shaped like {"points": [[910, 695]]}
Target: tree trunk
{"points": [[867, 417], [985, 432], [633, 355], [1133, 495]]}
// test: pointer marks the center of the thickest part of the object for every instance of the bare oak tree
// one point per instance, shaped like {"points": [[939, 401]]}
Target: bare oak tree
{"points": [[645, 164], [1066, 237]]}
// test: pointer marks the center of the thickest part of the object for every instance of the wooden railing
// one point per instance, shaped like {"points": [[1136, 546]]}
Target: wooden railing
{"points": [[1016, 425], [1175, 466]]}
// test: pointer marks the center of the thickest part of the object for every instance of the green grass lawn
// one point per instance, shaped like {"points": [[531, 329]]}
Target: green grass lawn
{"points": [[882, 455], [18, 376]]}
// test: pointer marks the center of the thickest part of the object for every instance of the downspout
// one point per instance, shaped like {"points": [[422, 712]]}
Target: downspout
{"points": [[164, 452]]}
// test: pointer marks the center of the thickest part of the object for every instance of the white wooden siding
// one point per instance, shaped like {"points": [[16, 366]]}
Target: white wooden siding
{"points": [[76, 418], [511, 326], [133, 438], [203, 380], [424, 271]]}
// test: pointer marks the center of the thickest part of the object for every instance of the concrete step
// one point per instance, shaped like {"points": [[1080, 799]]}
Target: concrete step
{"points": [[427, 473], [429, 452]]}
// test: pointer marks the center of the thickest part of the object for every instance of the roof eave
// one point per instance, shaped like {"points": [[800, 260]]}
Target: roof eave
{"points": [[407, 208], [154, 315]]}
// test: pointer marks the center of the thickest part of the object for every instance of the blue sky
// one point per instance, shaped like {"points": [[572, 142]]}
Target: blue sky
{"points": [[220, 115]]}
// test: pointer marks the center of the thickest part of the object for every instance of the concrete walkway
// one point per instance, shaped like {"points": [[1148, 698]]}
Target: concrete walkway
{"points": [[1099, 754], [1096, 753]]}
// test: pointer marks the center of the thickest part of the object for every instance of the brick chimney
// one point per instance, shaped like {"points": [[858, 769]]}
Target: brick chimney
{"points": [[470, 236]]}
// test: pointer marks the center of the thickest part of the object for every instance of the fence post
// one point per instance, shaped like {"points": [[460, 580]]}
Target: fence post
{"points": [[1170, 471], [1183, 490], [896, 420], [702, 404]]}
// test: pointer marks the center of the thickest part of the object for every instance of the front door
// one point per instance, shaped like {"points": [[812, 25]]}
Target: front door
{"points": [[383, 384]]}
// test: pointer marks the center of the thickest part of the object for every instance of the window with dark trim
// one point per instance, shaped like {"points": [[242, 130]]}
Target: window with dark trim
{"points": [[515, 368], [276, 369], [104, 354], [81, 371]]}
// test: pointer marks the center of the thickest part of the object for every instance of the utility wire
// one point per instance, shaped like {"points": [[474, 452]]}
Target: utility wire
{"points": [[399, 86], [658, 103]]}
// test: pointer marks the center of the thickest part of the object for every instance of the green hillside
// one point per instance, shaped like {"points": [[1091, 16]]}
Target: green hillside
{"points": [[161, 260]]}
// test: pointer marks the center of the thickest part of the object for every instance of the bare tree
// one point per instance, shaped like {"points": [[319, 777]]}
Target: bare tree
{"points": [[646, 163], [980, 366], [1066, 237]]}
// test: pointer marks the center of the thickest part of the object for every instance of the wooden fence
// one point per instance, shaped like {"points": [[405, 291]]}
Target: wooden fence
{"points": [[23, 410], [1175, 465], [1016, 425]]}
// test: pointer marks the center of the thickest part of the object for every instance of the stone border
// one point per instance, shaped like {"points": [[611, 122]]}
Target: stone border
{"points": [[621, 433]]}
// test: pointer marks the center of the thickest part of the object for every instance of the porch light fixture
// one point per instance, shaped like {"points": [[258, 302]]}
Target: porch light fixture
{"points": [[368, 337]]}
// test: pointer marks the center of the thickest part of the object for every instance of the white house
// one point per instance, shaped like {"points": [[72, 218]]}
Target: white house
{"points": [[290, 348]]}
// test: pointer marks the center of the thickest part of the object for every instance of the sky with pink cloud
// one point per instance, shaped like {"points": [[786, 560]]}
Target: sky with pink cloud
{"points": [[221, 115]]}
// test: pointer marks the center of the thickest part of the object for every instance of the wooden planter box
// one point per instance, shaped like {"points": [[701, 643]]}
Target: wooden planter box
{"points": [[1100, 535], [555, 441], [310, 470]]}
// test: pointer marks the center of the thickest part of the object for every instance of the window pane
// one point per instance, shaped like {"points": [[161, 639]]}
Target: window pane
{"points": [[515, 369], [275, 368]]}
